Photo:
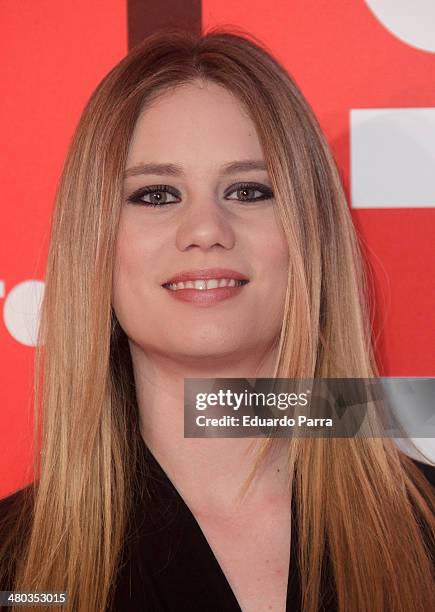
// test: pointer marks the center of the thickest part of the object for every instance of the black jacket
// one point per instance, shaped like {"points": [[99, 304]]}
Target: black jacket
{"points": [[167, 564]]}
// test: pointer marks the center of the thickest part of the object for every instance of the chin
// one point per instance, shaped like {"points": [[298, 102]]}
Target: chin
{"points": [[207, 351]]}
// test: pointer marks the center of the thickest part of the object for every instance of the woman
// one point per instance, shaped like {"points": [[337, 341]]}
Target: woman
{"points": [[200, 155]]}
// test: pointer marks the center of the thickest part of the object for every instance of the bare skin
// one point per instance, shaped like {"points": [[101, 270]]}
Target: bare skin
{"points": [[201, 127]]}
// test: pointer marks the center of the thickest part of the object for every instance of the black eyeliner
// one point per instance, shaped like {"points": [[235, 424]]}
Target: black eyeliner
{"points": [[267, 191], [134, 198]]}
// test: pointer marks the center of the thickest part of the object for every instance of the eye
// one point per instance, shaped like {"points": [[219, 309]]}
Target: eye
{"points": [[155, 195], [249, 192]]}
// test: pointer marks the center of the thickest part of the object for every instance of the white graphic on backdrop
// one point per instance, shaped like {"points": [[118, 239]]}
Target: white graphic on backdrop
{"points": [[392, 157], [412, 21], [21, 310]]}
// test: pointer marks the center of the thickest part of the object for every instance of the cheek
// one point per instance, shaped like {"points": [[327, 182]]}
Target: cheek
{"points": [[138, 248], [271, 249], [134, 267]]}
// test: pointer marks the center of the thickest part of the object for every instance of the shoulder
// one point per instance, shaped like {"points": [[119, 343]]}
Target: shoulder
{"points": [[12, 531], [15, 510], [12, 504], [428, 470]]}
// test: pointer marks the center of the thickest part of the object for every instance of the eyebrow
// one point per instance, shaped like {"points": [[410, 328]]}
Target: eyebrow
{"points": [[245, 165]]}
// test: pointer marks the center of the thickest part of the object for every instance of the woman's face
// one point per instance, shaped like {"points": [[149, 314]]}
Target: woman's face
{"points": [[203, 169]]}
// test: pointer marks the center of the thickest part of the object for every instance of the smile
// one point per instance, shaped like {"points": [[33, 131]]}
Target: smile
{"points": [[205, 284]]}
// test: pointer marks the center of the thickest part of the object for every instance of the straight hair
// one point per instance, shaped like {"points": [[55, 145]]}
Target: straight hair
{"points": [[359, 499]]}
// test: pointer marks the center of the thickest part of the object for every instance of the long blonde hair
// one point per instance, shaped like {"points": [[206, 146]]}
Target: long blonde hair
{"points": [[362, 497]]}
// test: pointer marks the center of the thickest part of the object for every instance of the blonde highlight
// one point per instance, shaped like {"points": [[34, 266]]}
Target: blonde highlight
{"points": [[362, 500]]}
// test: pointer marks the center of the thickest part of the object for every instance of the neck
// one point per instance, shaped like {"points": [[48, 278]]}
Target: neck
{"points": [[207, 472]]}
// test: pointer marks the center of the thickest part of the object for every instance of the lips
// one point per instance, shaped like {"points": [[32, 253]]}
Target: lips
{"points": [[231, 284], [206, 274]]}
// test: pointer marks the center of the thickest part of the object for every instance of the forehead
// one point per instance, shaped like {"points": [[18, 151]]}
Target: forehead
{"points": [[198, 124]]}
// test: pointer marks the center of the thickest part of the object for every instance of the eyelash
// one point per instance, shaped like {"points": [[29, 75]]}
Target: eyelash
{"points": [[135, 197]]}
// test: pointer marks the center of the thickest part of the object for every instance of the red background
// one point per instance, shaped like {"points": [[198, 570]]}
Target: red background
{"points": [[55, 53]]}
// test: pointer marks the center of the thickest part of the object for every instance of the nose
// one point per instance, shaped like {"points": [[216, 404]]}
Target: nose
{"points": [[204, 224]]}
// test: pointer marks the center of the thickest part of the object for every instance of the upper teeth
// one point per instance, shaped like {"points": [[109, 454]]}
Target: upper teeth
{"points": [[212, 283]]}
